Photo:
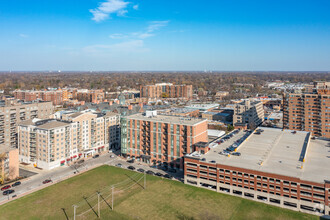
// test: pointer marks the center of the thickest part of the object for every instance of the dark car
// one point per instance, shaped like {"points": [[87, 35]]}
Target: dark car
{"points": [[236, 154], [212, 161], [7, 192], [130, 161], [140, 170], [16, 184], [131, 167], [5, 187], [150, 172], [168, 176], [165, 168], [172, 170], [47, 181], [158, 174], [96, 156], [257, 132]]}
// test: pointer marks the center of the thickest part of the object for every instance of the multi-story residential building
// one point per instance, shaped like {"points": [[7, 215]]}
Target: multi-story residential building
{"points": [[12, 112], [94, 96], [277, 167], [308, 111], [54, 96], [9, 165], [160, 139], [53, 142], [166, 90], [248, 114]]}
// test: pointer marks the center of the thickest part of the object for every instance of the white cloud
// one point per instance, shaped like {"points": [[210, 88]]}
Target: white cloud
{"points": [[155, 25], [24, 35], [118, 36], [107, 8], [148, 32], [127, 46], [136, 7]]}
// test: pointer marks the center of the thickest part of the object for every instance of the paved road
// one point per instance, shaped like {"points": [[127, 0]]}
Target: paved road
{"points": [[61, 173]]}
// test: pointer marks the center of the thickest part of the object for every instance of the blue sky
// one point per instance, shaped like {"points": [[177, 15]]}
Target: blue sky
{"points": [[116, 35]]}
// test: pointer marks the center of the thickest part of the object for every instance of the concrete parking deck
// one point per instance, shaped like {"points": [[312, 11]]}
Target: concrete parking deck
{"points": [[276, 151]]}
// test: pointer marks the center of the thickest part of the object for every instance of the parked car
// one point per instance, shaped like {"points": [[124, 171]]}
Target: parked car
{"points": [[158, 174], [168, 176], [203, 159], [140, 170], [130, 161], [5, 187], [119, 165], [112, 156], [226, 153], [165, 168], [172, 170], [96, 156], [46, 181], [236, 154], [150, 172], [16, 184], [131, 167], [7, 192], [212, 161]]}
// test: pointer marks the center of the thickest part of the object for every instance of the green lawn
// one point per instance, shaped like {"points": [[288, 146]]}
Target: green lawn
{"points": [[163, 199]]}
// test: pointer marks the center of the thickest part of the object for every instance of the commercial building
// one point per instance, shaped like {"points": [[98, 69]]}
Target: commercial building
{"points": [[54, 142], [282, 168], [248, 114], [166, 90], [9, 165], [160, 139], [203, 107], [217, 116], [308, 111], [12, 112]]}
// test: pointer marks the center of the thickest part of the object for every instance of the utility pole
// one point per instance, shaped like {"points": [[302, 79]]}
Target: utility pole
{"points": [[74, 212], [112, 189], [98, 204]]}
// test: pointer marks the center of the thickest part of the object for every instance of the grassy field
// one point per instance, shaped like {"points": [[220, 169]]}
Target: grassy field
{"points": [[163, 199]]}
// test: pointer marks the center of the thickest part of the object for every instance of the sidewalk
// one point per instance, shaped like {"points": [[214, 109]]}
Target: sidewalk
{"points": [[50, 184]]}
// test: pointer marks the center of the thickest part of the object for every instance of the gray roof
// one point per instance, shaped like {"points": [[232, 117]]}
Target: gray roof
{"points": [[280, 152]]}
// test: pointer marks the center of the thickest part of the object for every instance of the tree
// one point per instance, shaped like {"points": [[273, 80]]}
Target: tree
{"points": [[230, 128], [2, 173]]}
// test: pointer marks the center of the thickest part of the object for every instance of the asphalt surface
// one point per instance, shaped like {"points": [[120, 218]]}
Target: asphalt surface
{"points": [[34, 180]]}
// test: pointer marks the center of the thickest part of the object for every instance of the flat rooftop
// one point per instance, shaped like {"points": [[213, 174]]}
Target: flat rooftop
{"points": [[171, 119], [278, 152]]}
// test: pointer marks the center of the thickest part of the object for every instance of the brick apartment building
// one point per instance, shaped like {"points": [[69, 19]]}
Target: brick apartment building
{"points": [[54, 142], [56, 97], [94, 95], [160, 139], [309, 111], [280, 168], [168, 89], [12, 112], [59, 96]]}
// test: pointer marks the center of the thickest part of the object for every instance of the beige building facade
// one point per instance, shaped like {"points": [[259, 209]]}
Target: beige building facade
{"points": [[56, 142], [12, 112], [248, 114]]}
